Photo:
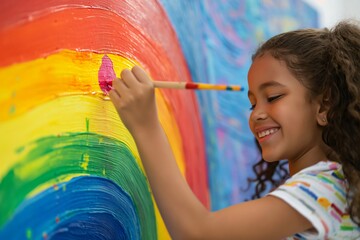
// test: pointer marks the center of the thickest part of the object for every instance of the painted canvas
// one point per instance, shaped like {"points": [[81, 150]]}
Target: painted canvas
{"points": [[68, 167]]}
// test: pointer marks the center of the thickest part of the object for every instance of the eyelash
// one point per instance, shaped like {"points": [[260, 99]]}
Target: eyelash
{"points": [[269, 99]]}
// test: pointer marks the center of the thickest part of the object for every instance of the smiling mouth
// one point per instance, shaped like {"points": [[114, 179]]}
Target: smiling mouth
{"points": [[267, 132]]}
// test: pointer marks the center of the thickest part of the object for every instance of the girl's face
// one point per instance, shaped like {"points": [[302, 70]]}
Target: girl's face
{"points": [[284, 119]]}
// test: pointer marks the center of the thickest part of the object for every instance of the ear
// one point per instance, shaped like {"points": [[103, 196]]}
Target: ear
{"points": [[322, 119], [322, 110]]}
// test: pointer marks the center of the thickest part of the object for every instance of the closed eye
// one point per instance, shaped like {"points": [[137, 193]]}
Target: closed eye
{"points": [[270, 99]]}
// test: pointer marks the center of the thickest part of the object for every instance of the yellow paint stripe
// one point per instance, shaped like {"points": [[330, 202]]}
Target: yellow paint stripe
{"points": [[28, 84]]}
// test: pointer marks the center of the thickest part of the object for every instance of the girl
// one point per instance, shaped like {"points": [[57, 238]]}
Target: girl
{"points": [[304, 88]]}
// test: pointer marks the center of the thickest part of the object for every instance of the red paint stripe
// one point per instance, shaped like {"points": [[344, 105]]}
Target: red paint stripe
{"points": [[191, 85], [73, 29], [23, 11], [134, 15]]}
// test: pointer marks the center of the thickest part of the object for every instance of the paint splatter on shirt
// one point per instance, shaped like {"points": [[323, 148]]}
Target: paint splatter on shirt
{"points": [[319, 194]]}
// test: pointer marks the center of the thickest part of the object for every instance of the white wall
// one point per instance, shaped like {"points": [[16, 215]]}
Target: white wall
{"points": [[332, 11]]}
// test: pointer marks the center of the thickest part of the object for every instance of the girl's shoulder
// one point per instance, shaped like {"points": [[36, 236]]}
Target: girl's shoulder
{"points": [[321, 167], [327, 173]]}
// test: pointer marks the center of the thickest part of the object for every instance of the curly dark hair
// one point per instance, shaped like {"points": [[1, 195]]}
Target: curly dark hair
{"points": [[268, 175], [327, 63]]}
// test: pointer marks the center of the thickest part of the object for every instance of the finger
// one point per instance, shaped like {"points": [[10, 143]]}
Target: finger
{"points": [[141, 75], [119, 86], [114, 97], [130, 80]]}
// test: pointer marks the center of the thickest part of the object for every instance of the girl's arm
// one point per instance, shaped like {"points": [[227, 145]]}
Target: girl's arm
{"points": [[183, 214]]}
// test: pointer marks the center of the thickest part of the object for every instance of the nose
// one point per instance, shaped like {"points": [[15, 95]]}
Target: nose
{"points": [[258, 114]]}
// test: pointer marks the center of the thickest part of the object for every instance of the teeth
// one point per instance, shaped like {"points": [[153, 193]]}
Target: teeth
{"points": [[267, 132]]}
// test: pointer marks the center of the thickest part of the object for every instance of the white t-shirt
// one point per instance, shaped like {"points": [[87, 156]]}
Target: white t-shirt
{"points": [[319, 194]]}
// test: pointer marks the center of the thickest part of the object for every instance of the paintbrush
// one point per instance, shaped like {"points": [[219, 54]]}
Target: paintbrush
{"points": [[196, 86]]}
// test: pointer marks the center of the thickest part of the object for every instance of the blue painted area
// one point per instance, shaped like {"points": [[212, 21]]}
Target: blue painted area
{"points": [[83, 208], [218, 39]]}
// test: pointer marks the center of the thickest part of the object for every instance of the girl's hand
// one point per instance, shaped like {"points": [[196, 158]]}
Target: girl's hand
{"points": [[134, 99]]}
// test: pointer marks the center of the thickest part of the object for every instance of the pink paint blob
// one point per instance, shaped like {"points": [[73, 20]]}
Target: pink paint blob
{"points": [[106, 74]]}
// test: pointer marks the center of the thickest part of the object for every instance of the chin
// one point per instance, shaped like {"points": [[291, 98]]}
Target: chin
{"points": [[270, 157], [270, 160]]}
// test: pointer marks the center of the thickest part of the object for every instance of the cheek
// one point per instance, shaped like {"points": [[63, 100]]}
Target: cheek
{"points": [[280, 112], [295, 116], [251, 123]]}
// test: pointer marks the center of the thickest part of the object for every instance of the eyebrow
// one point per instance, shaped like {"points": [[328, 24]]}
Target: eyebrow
{"points": [[266, 85]]}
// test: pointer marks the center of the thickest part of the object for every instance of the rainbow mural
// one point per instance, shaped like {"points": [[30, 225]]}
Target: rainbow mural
{"points": [[68, 167]]}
